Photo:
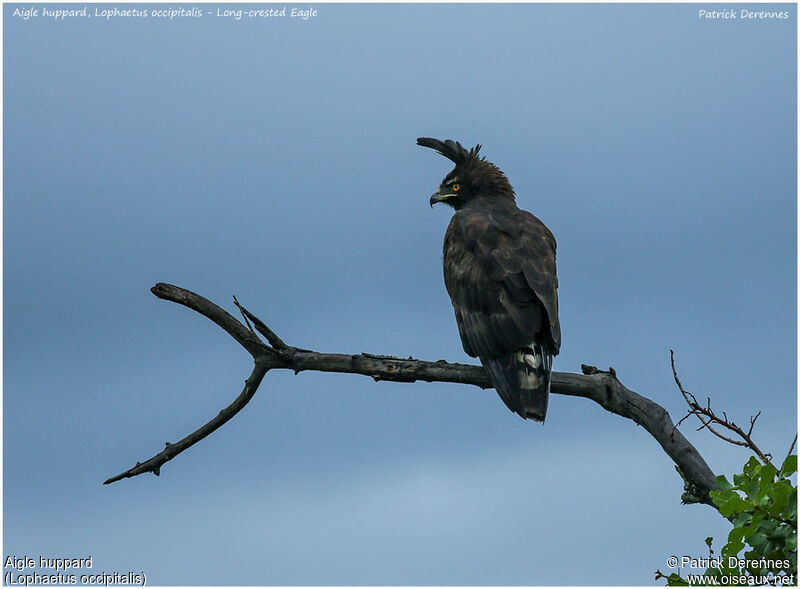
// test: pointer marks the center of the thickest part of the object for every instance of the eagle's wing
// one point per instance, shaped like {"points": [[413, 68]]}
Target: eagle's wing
{"points": [[500, 273]]}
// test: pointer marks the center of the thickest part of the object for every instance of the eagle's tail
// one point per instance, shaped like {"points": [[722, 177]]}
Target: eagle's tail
{"points": [[522, 379]]}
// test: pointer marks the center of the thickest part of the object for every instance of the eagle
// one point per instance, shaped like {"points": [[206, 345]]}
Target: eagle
{"points": [[500, 272]]}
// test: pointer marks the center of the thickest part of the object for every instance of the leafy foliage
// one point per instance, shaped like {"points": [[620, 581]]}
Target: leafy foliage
{"points": [[761, 503]]}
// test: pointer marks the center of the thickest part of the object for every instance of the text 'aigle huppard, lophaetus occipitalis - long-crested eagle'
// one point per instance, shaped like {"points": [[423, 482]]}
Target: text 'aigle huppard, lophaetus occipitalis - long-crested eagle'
{"points": [[500, 273]]}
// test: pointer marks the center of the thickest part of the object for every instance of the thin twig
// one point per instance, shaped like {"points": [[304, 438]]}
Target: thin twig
{"points": [[155, 463], [791, 448], [246, 320], [271, 336], [707, 425], [707, 417], [753, 423]]}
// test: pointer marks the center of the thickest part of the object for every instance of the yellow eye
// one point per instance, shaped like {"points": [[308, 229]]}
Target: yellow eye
{"points": [[456, 187]]}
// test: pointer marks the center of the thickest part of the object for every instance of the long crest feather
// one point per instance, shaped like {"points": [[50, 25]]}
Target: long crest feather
{"points": [[482, 176], [452, 150]]}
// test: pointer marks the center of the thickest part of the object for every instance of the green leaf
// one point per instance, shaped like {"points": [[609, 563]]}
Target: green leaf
{"points": [[752, 467], [758, 541], [675, 580], [782, 532], [768, 473], [720, 497], [789, 466], [791, 542], [781, 492], [791, 508], [753, 527], [734, 505], [753, 488], [736, 535], [743, 519], [768, 526], [709, 540], [732, 549], [723, 483]]}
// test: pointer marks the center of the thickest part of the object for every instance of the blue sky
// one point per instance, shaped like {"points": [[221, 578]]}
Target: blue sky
{"points": [[275, 159]]}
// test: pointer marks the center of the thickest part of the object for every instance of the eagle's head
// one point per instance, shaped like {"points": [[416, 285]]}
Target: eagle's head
{"points": [[472, 177]]}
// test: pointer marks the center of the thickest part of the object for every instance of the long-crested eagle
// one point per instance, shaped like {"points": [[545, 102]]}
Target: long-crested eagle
{"points": [[500, 273]]}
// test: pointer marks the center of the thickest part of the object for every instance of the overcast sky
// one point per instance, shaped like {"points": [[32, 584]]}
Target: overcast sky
{"points": [[275, 159]]}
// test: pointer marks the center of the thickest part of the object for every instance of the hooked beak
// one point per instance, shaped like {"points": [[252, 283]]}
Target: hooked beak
{"points": [[438, 196]]}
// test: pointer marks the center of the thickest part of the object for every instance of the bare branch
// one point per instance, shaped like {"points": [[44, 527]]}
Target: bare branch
{"points": [[241, 310], [613, 396], [208, 309], [789, 453], [155, 463], [753, 423], [602, 387], [726, 438], [273, 339], [707, 416]]}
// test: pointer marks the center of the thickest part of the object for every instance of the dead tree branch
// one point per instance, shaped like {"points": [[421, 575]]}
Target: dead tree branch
{"points": [[602, 387], [709, 419], [172, 450], [789, 453]]}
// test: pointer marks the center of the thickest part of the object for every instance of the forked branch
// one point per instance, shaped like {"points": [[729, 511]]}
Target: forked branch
{"points": [[711, 420], [602, 387]]}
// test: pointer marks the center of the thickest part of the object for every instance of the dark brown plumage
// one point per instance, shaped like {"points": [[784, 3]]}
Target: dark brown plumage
{"points": [[500, 273]]}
